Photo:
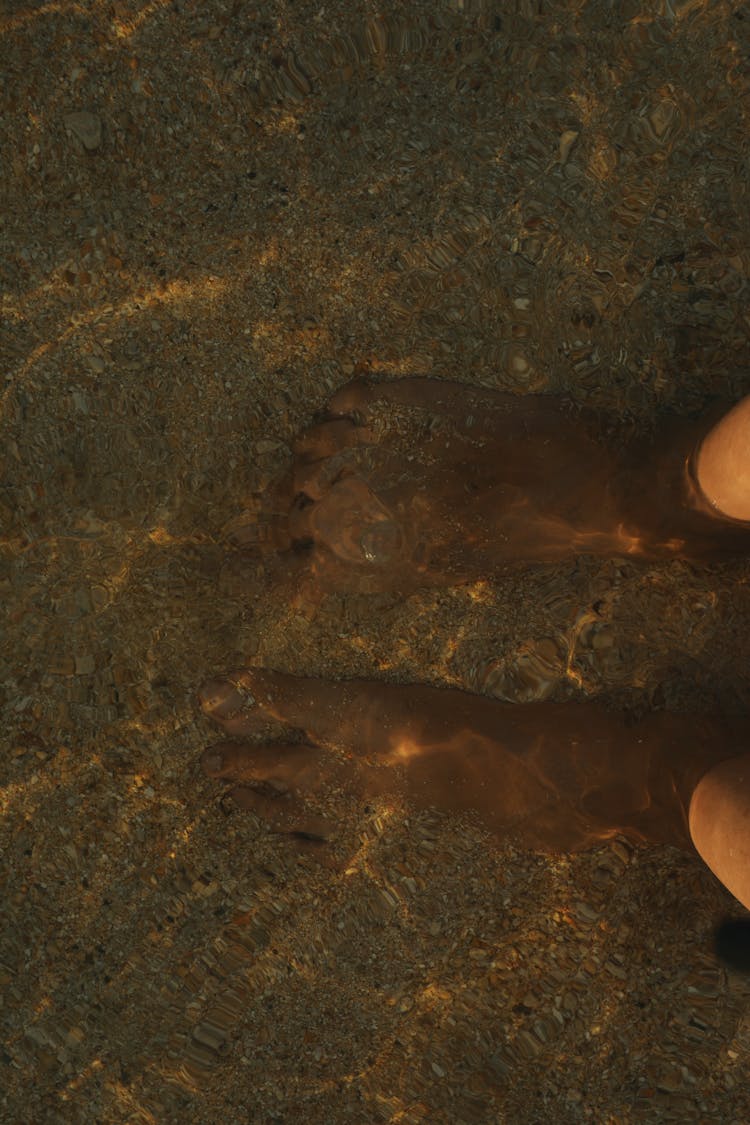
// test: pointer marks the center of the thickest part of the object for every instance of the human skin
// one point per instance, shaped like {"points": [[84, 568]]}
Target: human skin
{"points": [[493, 481], [553, 776], [723, 463], [719, 819]]}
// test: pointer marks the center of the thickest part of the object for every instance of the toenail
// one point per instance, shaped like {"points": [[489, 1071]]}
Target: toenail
{"points": [[213, 694]]}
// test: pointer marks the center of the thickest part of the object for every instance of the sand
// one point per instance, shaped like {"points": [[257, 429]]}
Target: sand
{"points": [[213, 216]]}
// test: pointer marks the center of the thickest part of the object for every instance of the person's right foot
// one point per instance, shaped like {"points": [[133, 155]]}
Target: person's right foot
{"points": [[553, 776]]}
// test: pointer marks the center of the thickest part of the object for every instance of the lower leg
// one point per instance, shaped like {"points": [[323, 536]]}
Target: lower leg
{"points": [[720, 824], [722, 464]]}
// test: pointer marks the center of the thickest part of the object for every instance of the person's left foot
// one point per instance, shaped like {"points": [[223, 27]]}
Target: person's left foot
{"points": [[487, 481]]}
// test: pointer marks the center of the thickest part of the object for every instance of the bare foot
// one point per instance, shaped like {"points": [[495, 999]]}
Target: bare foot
{"points": [[491, 481], [287, 785], [277, 781], [554, 776]]}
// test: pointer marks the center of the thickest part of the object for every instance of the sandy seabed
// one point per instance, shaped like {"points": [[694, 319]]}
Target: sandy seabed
{"points": [[213, 215]]}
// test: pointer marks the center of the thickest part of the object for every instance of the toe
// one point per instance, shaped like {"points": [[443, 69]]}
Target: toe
{"points": [[278, 764], [219, 698], [231, 701], [284, 814], [328, 438], [224, 761], [352, 400]]}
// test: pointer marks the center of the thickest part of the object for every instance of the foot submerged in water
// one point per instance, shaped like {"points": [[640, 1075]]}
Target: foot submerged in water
{"points": [[553, 776], [483, 482]]}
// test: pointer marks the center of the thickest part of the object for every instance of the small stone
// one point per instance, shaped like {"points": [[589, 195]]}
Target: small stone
{"points": [[620, 850], [99, 597], [603, 639], [584, 912], [86, 127], [83, 600], [567, 140], [670, 1080]]}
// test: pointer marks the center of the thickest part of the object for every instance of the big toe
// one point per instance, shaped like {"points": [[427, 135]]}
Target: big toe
{"points": [[219, 698], [352, 400]]}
